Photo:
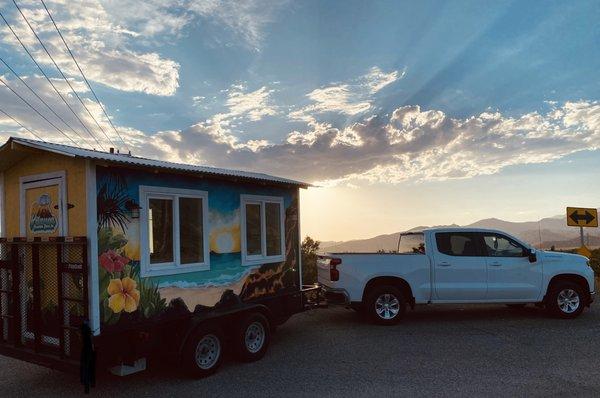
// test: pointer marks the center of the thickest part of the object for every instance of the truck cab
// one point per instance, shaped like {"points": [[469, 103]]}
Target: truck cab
{"points": [[457, 266]]}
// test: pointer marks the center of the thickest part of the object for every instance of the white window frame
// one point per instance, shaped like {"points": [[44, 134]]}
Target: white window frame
{"points": [[174, 267], [262, 258]]}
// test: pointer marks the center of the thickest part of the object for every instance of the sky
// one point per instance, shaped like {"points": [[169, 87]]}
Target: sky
{"points": [[400, 113]]}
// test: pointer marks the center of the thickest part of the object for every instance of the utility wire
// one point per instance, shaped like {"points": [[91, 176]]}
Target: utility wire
{"points": [[48, 79], [36, 111], [62, 74], [19, 123], [41, 99], [83, 75]]}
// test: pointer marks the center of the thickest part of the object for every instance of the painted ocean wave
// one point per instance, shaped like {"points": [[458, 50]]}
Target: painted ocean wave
{"points": [[219, 281]]}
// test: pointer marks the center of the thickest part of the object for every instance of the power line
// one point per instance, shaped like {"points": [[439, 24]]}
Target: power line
{"points": [[41, 99], [83, 75], [49, 80], [61, 72], [19, 123], [36, 111]]}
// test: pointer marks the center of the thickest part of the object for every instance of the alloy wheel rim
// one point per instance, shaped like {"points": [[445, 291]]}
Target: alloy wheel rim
{"points": [[387, 306], [255, 337], [568, 301], [208, 351]]}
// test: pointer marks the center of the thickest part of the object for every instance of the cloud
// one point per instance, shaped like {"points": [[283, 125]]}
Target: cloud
{"points": [[254, 105], [350, 99], [408, 144], [411, 144], [105, 38], [69, 125], [245, 19]]}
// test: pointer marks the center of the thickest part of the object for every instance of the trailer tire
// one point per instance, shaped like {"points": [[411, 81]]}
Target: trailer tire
{"points": [[203, 352], [253, 337], [385, 305]]}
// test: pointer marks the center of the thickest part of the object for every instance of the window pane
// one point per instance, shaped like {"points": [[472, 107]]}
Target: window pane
{"points": [[253, 230], [412, 244], [191, 242], [457, 244], [160, 230], [273, 225], [500, 246]]}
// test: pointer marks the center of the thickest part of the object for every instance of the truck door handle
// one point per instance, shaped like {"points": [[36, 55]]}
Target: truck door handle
{"points": [[496, 264], [444, 264]]}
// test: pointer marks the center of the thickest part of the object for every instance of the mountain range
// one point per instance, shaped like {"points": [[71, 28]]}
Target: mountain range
{"points": [[545, 233]]}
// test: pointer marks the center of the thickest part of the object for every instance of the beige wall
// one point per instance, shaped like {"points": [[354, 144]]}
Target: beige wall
{"points": [[40, 163]]}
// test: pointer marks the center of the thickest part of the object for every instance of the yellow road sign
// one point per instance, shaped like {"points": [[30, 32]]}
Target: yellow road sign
{"points": [[582, 217], [584, 251]]}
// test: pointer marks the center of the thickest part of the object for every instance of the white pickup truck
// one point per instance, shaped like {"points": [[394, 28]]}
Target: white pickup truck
{"points": [[456, 265]]}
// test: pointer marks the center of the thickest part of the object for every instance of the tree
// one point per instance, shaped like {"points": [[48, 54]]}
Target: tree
{"points": [[310, 248]]}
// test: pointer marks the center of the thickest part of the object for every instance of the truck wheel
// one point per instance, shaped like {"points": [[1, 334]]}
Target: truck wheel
{"points": [[385, 305], [565, 300], [203, 351], [253, 337]]}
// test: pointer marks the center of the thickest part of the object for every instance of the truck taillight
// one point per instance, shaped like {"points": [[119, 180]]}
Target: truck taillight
{"points": [[334, 274]]}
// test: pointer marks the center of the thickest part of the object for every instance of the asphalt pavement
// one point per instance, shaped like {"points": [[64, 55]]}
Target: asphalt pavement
{"points": [[435, 351]]}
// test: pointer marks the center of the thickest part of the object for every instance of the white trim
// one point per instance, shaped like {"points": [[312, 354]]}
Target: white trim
{"points": [[263, 258], [2, 207], [92, 236], [44, 180], [175, 267]]}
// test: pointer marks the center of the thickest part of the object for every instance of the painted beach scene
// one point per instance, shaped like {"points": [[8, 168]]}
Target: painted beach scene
{"points": [[127, 296]]}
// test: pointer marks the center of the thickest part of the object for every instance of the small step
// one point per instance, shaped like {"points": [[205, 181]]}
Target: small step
{"points": [[126, 370]]}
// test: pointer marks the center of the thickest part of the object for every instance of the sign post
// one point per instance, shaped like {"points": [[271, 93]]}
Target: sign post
{"points": [[582, 217]]}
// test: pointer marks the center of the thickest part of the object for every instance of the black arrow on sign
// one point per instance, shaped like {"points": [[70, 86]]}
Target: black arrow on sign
{"points": [[587, 217]]}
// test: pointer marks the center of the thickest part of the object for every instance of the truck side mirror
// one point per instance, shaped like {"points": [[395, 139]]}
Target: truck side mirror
{"points": [[532, 255]]}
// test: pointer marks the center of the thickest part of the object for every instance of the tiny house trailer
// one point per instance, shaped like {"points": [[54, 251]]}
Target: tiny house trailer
{"points": [[149, 257]]}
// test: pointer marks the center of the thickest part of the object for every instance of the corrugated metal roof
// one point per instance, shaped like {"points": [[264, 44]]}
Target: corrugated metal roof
{"points": [[152, 163]]}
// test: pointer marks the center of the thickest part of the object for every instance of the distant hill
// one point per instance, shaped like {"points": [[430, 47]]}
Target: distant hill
{"points": [[547, 232]]}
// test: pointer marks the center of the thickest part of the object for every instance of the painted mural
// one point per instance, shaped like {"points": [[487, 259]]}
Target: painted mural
{"points": [[127, 297]]}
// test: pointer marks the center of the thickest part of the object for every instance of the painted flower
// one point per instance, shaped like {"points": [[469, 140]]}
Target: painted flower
{"points": [[112, 261], [123, 295]]}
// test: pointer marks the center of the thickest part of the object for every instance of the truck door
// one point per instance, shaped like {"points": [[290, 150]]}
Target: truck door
{"points": [[510, 274], [459, 268]]}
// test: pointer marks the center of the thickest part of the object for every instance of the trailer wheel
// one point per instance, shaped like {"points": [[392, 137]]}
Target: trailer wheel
{"points": [[253, 337], [203, 351], [385, 305]]}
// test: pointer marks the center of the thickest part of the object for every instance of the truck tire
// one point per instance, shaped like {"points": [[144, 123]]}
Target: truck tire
{"points": [[385, 305], [203, 351], [253, 337], [565, 300]]}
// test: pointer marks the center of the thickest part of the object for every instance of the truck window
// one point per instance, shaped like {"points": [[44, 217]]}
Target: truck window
{"points": [[413, 243], [502, 246], [457, 243]]}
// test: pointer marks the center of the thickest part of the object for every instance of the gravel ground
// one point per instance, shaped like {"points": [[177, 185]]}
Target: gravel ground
{"points": [[436, 351]]}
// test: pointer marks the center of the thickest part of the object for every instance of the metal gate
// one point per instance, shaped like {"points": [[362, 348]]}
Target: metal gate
{"points": [[43, 294]]}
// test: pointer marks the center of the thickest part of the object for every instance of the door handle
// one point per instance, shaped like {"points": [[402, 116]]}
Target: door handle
{"points": [[496, 264], [444, 264]]}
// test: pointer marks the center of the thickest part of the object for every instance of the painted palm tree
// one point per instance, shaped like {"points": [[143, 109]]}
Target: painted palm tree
{"points": [[112, 203]]}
